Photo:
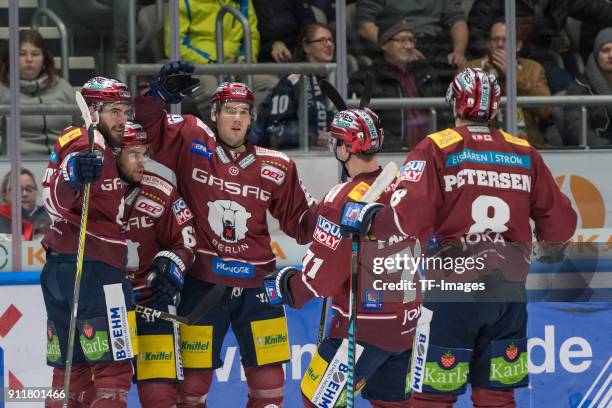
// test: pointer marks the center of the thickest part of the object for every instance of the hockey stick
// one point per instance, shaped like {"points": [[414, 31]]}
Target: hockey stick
{"points": [[212, 298], [384, 179], [80, 253]]}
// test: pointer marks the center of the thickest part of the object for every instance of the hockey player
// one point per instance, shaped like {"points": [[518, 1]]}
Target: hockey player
{"points": [[230, 186], [104, 344], [161, 241], [385, 320], [471, 191]]}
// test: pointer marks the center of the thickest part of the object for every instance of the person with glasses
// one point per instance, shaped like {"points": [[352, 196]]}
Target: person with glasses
{"points": [[401, 71], [106, 302], [35, 220], [439, 26], [161, 240], [530, 81], [277, 123]]}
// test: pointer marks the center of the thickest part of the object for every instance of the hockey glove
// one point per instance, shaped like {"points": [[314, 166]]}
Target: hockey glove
{"points": [[357, 217], [276, 286], [174, 81], [81, 168], [166, 277], [548, 252]]}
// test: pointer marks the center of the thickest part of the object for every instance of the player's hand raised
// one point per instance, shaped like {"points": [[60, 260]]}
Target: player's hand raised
{"points": [[174, 81]]}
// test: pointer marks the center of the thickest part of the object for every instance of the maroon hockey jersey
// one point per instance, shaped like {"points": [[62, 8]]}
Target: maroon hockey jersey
{"points": [[476, 188], [229, 196], [105, 241], [386, 316], [157, 223]]}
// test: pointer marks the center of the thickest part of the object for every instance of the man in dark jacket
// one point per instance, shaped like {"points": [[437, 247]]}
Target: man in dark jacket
{"points": [[597, 80], [401, 72]]}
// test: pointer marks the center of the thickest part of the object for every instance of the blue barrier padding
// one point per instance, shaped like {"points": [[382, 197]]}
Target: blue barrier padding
{"points": [[19, 278]]}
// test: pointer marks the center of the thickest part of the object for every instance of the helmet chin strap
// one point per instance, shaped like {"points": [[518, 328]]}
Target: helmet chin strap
{"points": [[345, 172]]}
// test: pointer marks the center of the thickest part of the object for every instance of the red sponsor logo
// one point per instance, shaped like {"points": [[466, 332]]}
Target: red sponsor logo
{"points": [[273, 174], [512, 352], [447, 359]]}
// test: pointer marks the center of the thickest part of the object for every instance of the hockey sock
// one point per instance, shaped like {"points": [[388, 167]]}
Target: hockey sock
{"points": [[158, 394], [487, 398], [266, 386], [194, 389]]}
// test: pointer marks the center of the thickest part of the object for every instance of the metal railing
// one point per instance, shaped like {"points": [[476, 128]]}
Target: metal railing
{"points": [[246, 36], [36, 21]]}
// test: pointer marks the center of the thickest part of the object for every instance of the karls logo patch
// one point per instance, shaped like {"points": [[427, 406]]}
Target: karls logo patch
{"points": [[200, 149], [412, 171], [181, 211], [273, 174], [327, 233], [228, 220], [149, 207], [233, 269]]}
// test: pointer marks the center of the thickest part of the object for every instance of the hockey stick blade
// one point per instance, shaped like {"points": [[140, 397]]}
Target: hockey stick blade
{"points": [[367, 91], [86, 117], [212, 298], [332, 93], [384, 179]]}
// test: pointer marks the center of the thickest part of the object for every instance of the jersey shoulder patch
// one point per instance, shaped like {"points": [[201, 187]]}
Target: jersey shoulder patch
{"points": [[514, 140], [262, 151], [445, 138], [149, 206], [70, 134], [358, 191], [157, 183]]}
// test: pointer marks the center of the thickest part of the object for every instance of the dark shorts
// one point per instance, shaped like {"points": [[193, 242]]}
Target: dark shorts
{"points": [[260, 329], [379, 374], [159, 353], [483, 343], [106, 323]]}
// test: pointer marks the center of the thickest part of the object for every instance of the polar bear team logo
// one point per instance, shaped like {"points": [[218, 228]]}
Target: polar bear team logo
{"points": [[228, 220]]}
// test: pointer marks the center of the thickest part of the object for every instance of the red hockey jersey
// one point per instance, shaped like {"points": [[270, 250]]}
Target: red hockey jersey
{"points": [[476, 188], [386, 316], [105, 241], [157, 222], [229, 196]]}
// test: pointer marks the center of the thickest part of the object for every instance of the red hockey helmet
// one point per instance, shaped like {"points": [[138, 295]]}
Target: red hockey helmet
{"points": [[232, 91], [476, 94], [105, 90], [134, 135], [359, 129]]}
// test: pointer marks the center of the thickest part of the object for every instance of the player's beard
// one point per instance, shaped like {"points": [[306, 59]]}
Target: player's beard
{"points": [[108, 136]]}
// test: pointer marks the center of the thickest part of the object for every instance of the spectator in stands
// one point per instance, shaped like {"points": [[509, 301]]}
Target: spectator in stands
{"points": [[39, 84], [438, 25], [401, 72], [597, 80], [283, 21], [530, 81], [197, 43], [277, 122], [35, 220]]}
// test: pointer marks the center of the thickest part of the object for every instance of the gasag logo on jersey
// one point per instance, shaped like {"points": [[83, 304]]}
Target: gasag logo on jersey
{"points": [[327, 233], [149, 207], [412, 171], [233, 269], [200, 149], [174, 119], [181, 211], [273, 174]]}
